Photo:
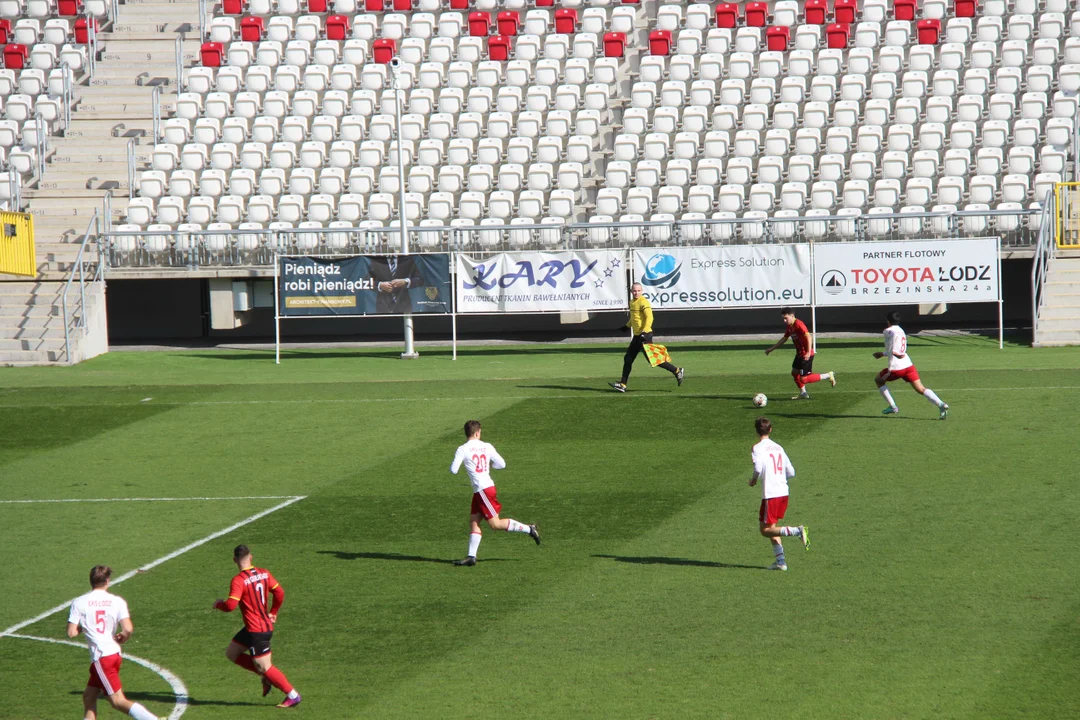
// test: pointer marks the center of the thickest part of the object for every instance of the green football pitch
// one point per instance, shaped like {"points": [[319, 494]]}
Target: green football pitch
{"points": [[941, 582]]}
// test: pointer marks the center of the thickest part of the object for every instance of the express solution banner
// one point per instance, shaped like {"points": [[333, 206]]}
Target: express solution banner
{"points": [[911, 271], [724, 277], [574, 280], [364, 285]]}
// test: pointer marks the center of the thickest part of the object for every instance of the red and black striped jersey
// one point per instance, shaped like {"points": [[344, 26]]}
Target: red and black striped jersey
{"points": [[252, 588]]}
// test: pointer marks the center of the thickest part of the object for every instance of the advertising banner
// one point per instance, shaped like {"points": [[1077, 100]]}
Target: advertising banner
{"points": [[364, 285], [572, 280], [730, 276], [910, 271]]}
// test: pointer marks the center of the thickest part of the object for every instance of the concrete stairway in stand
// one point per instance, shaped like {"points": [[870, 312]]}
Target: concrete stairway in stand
{"points": [[83, 166], [1059, 314]]}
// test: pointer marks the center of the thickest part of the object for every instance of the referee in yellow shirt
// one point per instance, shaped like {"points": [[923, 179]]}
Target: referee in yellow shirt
{"points": [[641, 326]]}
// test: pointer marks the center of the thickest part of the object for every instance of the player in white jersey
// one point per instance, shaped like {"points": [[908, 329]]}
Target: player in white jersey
{"points": [[480, 458], [773, 468], [104, 619], [901, 368]]}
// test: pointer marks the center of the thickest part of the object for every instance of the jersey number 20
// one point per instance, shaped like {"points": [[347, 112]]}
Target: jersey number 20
{"points": [[480, 461]]}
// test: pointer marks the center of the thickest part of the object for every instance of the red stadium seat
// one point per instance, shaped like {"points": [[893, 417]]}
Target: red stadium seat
{"points": [[317, 6], [966, 8], [816, 11], [844, 11], [383, 49], [15, 56], [233, 7], [904, 9], [68, 8], [566, 21], [614, 44], [777, 38], [459, 4], [929, 31], [5, 30], [82, 31], [660, 42], [337, 27], [508, 22], [757, 14], [373, 5], [251, 29], [499, 47], [726, 15], [545, 3], [479, 24], [211, 53], [403, 5], [838, 34]]}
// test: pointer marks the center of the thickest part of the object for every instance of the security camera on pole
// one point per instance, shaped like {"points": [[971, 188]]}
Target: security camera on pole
{"points": [[395, 68]]}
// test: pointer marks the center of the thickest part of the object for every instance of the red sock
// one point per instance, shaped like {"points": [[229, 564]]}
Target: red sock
{"points": [[278, 680], [812, 378], [246, 662]]}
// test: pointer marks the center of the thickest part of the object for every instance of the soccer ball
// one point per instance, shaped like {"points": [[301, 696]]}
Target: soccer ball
{"points": [[760, 400]]}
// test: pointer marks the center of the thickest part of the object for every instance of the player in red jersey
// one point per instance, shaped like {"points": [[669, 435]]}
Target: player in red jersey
{"points": [[802, 369], [250, 589]]}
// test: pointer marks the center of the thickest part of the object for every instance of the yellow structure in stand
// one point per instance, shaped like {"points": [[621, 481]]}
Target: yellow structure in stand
{"points": [[1067, 232], [17, 244]]}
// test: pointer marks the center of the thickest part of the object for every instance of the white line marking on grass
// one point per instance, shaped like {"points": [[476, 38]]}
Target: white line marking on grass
{"points": [[152, 499], [177, 685], [575, 396], [149, 566]]}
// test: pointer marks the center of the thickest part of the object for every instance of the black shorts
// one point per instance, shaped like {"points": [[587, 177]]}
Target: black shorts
{"points": [[258, 643], [802, 366]]}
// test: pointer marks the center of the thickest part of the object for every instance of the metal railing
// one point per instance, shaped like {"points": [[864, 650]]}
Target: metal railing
{"points": [[1044, 253], [14, 194], [204, 13], [179, 50], [131, 168], [41, 144], [69, 94], [104, 226], [79, 271], [155, 111], [193, 246], [91, 46]]}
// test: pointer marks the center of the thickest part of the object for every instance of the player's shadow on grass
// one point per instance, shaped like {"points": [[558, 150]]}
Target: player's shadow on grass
{"points": [[170, 698], [342, 555], [583, 388], [655, 560], [843, 416]]}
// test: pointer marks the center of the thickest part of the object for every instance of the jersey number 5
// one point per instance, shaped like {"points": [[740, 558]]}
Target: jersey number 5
{"points": [[99, 621], [777, 463], [480, 461]]}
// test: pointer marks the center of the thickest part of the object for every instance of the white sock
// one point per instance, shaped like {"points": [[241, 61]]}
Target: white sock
{"points": [[515, 526], [788, 531], [138, 712], [887, 395], [293, 694], [778, 551], [932, 397], [474, 543]]}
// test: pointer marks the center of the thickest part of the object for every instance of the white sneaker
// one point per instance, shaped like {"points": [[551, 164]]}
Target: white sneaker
{"points": [[778, 566], [832, 378], [802, 396]]}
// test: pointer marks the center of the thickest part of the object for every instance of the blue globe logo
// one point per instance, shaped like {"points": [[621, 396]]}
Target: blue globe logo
{"points": [[661, 271]]}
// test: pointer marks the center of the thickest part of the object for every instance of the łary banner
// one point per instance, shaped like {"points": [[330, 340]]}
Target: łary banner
{"points": [[364, 285], [888, 273], [729, 276], [574, 280]]}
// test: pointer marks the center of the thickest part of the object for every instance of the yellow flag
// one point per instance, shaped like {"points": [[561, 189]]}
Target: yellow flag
{"points": [[657, 354]]}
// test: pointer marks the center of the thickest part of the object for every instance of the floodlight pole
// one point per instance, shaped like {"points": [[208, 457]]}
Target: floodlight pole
{"points": [[395, 67]]}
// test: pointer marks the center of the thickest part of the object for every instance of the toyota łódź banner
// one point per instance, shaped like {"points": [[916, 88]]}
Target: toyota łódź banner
{"points": [[573, 280], [724, 277], [911, 271], [364, 285]]}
